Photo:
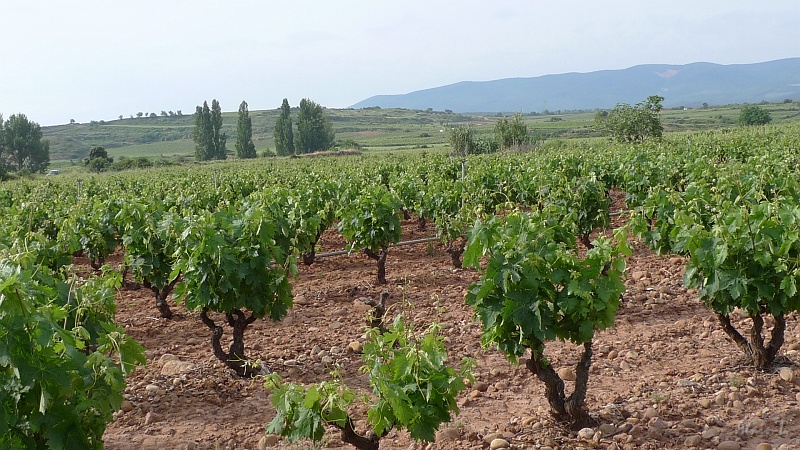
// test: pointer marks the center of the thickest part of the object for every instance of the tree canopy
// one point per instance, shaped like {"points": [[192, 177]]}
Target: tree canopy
{"points": [[244, 133], [511, 133], [22, 146], [283, 133], [626, 123], [98, 159], [314, 131], [208, 136], [754, 115]]}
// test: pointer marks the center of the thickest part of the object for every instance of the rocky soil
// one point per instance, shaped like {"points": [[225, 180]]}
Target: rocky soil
{"points": [[665, 376]]}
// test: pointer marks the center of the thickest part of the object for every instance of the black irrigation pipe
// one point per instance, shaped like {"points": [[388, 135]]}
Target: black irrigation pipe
{"points": [[344, 252]]}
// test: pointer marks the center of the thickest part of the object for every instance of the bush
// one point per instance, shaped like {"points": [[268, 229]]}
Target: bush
{"points": [[626, 123], [754, 115], [98, 164], [131, 163]]}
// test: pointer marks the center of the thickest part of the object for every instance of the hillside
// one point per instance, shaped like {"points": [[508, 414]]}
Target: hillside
{"points": [[374, 129], [688, 85]]}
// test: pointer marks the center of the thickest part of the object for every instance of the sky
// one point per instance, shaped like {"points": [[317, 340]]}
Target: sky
{"points": [[99, 59]]}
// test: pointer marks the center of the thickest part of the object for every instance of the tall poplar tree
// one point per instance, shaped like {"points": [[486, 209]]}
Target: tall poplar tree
{"points": [[219, 138], [208, 136], [244, 133], [202, 133], [283, 134]]}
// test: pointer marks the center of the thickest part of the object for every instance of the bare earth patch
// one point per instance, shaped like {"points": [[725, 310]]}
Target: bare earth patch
{"points": [[665, 376]]}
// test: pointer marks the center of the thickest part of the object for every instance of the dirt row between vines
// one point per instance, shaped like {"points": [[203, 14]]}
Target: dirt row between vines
{"points": [[664, 377]]}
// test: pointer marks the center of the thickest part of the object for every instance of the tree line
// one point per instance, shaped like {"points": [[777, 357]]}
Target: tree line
{"points": [[314, 131]]}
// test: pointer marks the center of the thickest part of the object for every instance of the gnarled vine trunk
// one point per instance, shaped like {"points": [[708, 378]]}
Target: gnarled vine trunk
{"points": [[755, 351], [380, 257], [349, 435], [569, 410], [234, 358], [455, 249], [310, 256], [161, 297]]}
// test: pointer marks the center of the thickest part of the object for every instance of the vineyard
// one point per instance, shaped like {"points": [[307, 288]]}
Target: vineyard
{"points": [[603, 296]]}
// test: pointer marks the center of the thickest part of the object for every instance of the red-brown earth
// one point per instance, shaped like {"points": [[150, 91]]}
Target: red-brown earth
{"points": [[665, 376]]}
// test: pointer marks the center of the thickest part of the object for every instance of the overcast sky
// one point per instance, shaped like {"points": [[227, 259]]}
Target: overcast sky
{"points": [[96, 60]]}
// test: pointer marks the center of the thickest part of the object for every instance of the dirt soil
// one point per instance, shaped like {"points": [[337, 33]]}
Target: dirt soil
{"points": [[665, 376]]}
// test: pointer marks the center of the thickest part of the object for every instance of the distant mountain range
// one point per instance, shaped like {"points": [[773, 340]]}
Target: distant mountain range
{"points": [[688, 85]]}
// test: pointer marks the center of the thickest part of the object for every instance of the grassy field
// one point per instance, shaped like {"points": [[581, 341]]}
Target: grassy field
{"points": [[375, 129]]}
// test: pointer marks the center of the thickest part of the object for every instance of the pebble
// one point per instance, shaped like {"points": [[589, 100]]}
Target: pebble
{"points": [[612, 354], [150, 418], [151, 388], [492, 436], [692, 441], [786, 374], [728, 445], [586, 434], [360, 307], [650, 413], [481, 386], [301, 300], [268, 441], [764, 446], [448, 434], [126, 406], [795, 346], [528, 421], [176, 367], [658, 423], [638, 275], [355, 347], [168, 357], [608, 429], [498, 444], [335, 325], [567, 374]]}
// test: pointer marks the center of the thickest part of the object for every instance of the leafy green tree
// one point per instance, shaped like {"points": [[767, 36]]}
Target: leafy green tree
{"points": [[98, 164], [202, 134], [208, 136], [98, 159], [283, 133], [23, 145], [462, 140], [626, 123], [314, 131], [244, 133], [754, 115], [511, 133], [219, 138]]}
